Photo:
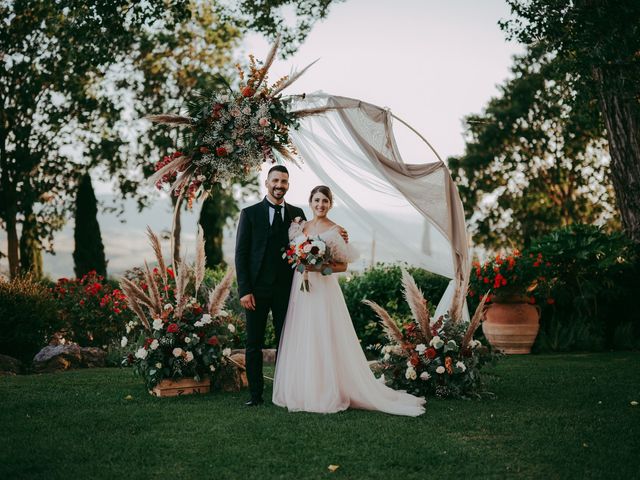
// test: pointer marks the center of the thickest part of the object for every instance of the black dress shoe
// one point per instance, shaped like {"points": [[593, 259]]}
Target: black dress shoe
{"points": [[254, 402]]}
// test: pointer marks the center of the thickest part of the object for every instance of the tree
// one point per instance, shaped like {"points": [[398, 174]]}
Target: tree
{"points": [[88, 253], [535, 159], [598, 44], [52, 52]]}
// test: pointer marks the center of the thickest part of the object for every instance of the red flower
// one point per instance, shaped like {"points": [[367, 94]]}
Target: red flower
{"points": [[213, 341], [314, 250], [81, 302], [430, 353], [532, 300], [550, 301], [248, 92], [172, 328], [415, 360], [204, 150], [221, 152], [170, 272]]}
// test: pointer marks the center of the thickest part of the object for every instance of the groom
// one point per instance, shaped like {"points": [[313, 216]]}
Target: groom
{"points": [[264, 277]]}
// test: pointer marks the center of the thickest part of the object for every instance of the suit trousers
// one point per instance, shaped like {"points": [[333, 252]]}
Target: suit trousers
{"points": [[276, 302]]}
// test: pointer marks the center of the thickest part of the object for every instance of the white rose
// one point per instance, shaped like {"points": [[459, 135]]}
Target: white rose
{"points": [[226, 352], [223, 313], [154, 344], [128, 328], [232, 328], [425, 376], [157, 324], [195, 338], [434, 340], [410, 374], [168, 306], [312, 261], [212, 368], [123, 342], [420, 348], [198, 324], [177, 352], [206, 318], [386, 357], [475, 343], [307, 248], [159, 365], [440, 370], [187, 339], [189, 356], [142, 353], [461, 366]]}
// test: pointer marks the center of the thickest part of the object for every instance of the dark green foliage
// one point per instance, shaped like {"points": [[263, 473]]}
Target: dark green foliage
{"points": [[595, 293], [557, 417], [88, 254], [383, 285], [538, 152], [28, 318]]}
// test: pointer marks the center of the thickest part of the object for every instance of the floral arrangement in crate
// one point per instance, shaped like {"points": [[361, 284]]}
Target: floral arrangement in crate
{"points": [[232, 132], [92, 310], [179, 337], [513, 277], [426, 358]]}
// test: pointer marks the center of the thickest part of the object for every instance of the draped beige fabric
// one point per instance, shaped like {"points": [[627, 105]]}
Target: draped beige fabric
{"points": [[352, 146]]}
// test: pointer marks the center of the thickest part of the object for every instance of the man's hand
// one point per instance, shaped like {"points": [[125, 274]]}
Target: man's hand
{"points": [[344, 234], [248, 302]]}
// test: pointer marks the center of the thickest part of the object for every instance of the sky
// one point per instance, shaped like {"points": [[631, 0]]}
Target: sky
{"points": [[431, 62]]}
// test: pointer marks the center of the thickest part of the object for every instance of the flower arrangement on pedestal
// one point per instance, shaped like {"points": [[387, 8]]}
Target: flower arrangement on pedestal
{"points": [[439, 358], [232, 132], [180, 338]]}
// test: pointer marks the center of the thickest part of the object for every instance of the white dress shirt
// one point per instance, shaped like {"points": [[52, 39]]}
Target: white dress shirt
{"points": [[272, 211]]}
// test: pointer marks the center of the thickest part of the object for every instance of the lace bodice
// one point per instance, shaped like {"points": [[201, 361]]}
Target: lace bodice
{"points": [[340, 251]]}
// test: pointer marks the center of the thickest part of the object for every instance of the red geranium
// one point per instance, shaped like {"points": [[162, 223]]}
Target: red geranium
{"points": [[221, 152], [430, 353], [173, 328], [213, 341], [248, 92]]}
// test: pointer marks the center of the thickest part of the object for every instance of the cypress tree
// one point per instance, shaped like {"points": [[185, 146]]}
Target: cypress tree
{"points": [[89, 251]]}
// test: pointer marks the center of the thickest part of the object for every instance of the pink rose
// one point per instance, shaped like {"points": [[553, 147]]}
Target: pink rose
{"points": [[263, 122]]}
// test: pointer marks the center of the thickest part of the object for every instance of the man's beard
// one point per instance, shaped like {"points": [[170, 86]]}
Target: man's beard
{"points": [[278, 192]]}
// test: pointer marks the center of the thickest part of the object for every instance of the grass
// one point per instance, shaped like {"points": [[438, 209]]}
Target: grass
{"points": [[556, 416]]}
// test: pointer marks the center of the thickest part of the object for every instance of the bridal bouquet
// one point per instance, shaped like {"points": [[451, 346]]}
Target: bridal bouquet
{"points": [[304, 252], [439, 358], [232, 132], [179, 337]]}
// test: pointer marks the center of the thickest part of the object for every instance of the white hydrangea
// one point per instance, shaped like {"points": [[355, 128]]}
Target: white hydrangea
{"points": [[386, 357], [198, 324], [223, 313], [177, 352], [159, 365], [440, 370], [420, 348], [226, 352], [232, 328], [123, 342], [154, 344], [461, 366], [425, 376], [157, 324], [142, 353], [206, 318]]}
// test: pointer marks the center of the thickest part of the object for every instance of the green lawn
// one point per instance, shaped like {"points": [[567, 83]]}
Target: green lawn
{"points": [[556, 416]]}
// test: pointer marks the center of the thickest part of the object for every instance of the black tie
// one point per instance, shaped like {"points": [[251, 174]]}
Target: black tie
{"points": [[277, 218]]}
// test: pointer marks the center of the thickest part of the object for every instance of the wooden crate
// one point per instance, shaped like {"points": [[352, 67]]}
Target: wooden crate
{"points": [[184, 386]]}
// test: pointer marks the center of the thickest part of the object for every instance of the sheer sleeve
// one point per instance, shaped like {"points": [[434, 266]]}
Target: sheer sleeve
{"points": [[296, 229], [340, 251]]}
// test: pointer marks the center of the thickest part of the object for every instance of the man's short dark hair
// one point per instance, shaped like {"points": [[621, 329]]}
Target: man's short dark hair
{"points": [[278, 168]]}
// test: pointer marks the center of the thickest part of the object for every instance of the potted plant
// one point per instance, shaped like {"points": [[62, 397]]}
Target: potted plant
{"points": [[516, 284]]}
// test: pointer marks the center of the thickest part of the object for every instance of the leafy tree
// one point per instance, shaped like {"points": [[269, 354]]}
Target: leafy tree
{"points": [[88, 254], [597, 43], [535, 159], [51, 54]]}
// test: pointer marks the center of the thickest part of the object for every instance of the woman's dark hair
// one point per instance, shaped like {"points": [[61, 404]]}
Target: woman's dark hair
{"points": [[323, 190]]}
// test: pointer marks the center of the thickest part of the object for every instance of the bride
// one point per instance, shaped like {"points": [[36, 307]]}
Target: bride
{"points": [[321, 366]]}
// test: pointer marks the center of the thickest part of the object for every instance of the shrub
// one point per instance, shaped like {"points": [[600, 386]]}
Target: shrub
{"points": [[383, 285], [93, 310], [597, 282], [28, 318]]}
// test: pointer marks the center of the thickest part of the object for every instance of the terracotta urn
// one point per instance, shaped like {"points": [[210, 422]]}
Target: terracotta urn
{"points": [[511, 327]]}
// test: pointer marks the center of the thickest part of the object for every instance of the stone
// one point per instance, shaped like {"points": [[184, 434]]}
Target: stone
{"points": [[92, 357], [10, 365], [53, 358], [268, 354]]}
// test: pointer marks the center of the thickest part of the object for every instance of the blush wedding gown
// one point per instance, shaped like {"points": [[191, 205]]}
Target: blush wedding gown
{"points": [[321, 366]]}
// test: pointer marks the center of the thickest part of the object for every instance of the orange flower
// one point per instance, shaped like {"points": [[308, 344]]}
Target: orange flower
{"points": [[448, 364]]}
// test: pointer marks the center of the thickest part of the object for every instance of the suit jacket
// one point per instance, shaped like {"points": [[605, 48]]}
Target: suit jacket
{"points": [[251, 241]]}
